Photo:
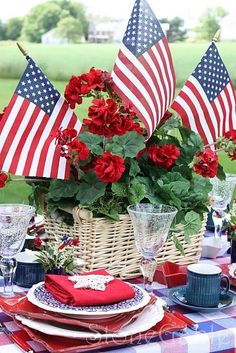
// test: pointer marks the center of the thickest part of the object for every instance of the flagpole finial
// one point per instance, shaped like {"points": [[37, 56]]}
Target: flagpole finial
{"points": [[217, 36], [22, 49]]}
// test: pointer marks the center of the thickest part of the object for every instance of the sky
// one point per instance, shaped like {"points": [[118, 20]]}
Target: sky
{"points": [[189, 10]]}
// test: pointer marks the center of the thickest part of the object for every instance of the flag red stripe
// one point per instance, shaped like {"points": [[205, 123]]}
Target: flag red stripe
{"points": [[233, 103], [160, 77], [34, 144], [57, 155], [136, 110], [226, 91], [13, 131], [172, 78], [181, 111], [169, 79], [217, 115], [135, 89], [54, 129], [22, 140], [220, 99], [7, 112], [204, 108], [195, 113]]}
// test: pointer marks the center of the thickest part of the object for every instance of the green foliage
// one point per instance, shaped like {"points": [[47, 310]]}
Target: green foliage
{"points": [[209, 22], [176, 31], [14, 27], [2, 31], [65, 14], [40, 20], [70, 28]]}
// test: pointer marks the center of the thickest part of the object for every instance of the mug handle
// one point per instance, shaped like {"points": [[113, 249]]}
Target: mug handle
{"points": [[226, 288]]}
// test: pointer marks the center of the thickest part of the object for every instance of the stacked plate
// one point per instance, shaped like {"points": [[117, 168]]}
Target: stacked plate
{"points": [[121, 319]]}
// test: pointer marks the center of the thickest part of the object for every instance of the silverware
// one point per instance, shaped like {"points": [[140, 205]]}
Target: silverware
{"points": [[16, 339], [190, 323]]}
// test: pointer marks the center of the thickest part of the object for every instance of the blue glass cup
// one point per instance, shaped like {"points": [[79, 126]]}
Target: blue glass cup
{"points": [[205, 285]]}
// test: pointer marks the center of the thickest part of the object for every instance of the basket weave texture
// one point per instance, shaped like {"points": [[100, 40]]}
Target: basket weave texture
{"points": [[110, 244]]}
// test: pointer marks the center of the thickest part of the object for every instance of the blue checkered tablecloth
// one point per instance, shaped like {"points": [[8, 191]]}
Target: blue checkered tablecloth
{"points": [[217, 331]]}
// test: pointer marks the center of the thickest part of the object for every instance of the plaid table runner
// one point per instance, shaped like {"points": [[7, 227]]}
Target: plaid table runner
{"points": [[217, 331]]}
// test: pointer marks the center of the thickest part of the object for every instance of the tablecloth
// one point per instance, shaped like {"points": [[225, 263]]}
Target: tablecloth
{"points": [[217, 331]]}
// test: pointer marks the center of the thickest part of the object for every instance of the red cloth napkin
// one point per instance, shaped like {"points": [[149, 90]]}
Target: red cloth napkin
{"points": [[62, 289]]}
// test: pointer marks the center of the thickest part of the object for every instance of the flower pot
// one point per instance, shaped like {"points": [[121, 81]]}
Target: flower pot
{"points": [[110, 244]]}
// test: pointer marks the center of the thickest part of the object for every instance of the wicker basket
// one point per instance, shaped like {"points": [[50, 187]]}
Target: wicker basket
{"points": [[108, 244]]}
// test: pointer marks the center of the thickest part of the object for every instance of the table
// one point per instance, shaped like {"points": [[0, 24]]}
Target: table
{"points": [[217, 331]]}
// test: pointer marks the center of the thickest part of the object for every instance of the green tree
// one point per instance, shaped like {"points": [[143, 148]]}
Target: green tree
{"points": [[176, 31], [41, 19], [13, 28], [2, 31], [209, 22], [46, 16], [71, 28]]}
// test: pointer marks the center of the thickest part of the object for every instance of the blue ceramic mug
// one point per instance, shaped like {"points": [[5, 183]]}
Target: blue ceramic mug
{"points": [[28, 270], [205, 285]]}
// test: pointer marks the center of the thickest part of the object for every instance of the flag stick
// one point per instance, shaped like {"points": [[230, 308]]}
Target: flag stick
{"points": [[23, 51], [217, 36]]}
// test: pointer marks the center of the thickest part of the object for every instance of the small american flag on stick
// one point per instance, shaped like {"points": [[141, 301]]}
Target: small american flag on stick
{"points": [[207, 101], [143, 74], [29, 126]]}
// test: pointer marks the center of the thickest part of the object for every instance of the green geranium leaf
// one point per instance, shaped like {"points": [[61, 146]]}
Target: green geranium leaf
{"points": [[93, 142], [134, 168], [196, 141], [220, 172], [119, 189], [136, 193], [192, 224], [178, 245], [62, 188], [127, 145], [90, 190], [172, 123], [180, 188]]}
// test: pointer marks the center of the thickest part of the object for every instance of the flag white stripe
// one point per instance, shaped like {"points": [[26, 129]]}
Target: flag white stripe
{"points": [[44, 135], [124, 69], [188, 112], [132, 98], [27, 146], [226, 106], [157, 76], [10, 121], [221, 117], [232, 100], [191, 118], [14, 144], [172, 83], [52, 147], [200, 90]]}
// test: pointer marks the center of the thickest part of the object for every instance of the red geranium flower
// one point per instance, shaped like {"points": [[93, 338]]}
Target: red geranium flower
{"points": [[92, 80], [231, 135], [163, 156], [207, 163], [3, 179], [73, 91], [80, 149], [109, 168]]}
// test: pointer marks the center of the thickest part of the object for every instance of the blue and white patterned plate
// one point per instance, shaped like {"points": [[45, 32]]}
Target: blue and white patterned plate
{"points": [[41, 297]]}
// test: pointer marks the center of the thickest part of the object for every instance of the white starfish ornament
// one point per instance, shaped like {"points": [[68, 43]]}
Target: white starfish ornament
{"points": [[96, 282]]}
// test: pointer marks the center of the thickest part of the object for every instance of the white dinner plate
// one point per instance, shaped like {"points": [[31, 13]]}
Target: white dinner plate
{"points": [[150, 316], [41, 297]]}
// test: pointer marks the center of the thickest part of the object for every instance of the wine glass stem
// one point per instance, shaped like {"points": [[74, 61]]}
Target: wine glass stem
{"points": [[8, 268], [148, 267]]}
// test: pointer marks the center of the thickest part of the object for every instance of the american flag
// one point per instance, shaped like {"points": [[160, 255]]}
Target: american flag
{"points": [[143, 73], [206, 103], [29, 125]]}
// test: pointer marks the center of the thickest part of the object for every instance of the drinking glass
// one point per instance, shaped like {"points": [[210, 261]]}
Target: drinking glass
{"points": [[221, 195], [151, 226], [14, 221]]}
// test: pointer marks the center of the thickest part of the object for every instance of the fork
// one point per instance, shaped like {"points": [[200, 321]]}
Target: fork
{"points": [[190, 323], [16, 339]]}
